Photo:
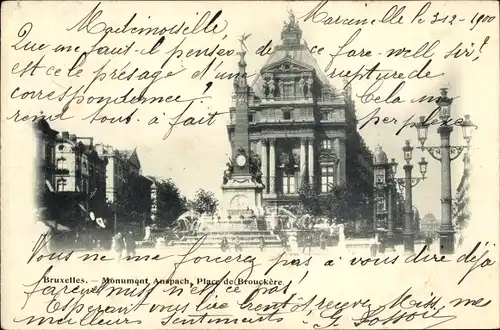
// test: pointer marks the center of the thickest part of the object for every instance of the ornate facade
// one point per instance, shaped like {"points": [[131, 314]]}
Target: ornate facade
{"points": [[80, 183], [119, 164], [45, 162], [461, 206], [302, 129]]}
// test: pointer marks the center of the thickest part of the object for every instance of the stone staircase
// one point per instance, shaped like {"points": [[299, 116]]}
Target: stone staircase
{"points": [[248, 238]]}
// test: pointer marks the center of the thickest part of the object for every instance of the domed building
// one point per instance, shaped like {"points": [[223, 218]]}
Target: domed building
{"points": [[301, 127], [379, 156]]}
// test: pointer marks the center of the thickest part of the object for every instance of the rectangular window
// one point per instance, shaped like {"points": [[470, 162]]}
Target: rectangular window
{"points": [[327, 178], [251, 118], [289, 186], [62, 164], [326, 144], [287, 90], [287, 114], [61, 185], [326, 115]]}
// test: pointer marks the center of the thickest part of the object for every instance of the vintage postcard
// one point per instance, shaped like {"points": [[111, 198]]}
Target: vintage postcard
{"points": [[250, 164]]}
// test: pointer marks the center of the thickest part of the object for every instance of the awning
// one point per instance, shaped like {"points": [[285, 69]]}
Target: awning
{"points": [[49, 185]]}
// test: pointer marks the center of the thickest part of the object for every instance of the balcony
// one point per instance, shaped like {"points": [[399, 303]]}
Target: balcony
{"points": [[61, 171]]}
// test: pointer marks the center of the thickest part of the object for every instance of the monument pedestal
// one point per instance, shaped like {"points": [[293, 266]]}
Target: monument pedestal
{"points": [[241, 195]]}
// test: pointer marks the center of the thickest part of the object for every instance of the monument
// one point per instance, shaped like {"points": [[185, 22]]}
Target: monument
{"points": [[242, 187], [241, 216]]}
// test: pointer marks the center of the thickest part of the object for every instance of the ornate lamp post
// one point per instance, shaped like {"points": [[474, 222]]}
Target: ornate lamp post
{"points": [[378, 193], [380, 166], [445, 153], [408, 182]]}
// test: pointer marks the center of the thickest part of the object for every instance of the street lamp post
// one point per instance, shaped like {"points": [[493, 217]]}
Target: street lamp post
{"points": [[390, 213], [408, 182], [445, 153], [378, 195]]}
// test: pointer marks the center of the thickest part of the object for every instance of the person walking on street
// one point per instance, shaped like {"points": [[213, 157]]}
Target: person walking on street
{"points": [[308, 243], [118, 245], [428, 242], [322, 241], [130, 244], [262, 243], [237, 244], [224, 244], [374, 246]]}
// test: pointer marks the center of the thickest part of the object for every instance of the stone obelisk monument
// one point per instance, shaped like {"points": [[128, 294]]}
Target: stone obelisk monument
{"points": [[242, 193]]}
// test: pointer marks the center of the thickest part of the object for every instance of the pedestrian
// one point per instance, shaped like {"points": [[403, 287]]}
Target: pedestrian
{"points": [[428, 242], [284, 242], [322, 241], [45, 232], [460, 240], [307, 243], [224, 244], [118, 245], [373, 246], [262, 243], [237, 244], [130, 244]]}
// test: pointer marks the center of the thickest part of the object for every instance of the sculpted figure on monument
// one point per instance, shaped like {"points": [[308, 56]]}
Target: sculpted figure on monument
{"points": [[228, 172], [291, 16], [254, 165]]}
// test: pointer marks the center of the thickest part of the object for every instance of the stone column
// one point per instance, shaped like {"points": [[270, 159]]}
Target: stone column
{"points": [[272, 167], [310, 156], [302, 160], [337, 171], [263, 158]]}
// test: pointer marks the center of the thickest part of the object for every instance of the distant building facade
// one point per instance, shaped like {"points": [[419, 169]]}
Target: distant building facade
{"points": [[45, 160], [429, 225], [79, 177], [302, 129], [119, 165], [461, 208]]}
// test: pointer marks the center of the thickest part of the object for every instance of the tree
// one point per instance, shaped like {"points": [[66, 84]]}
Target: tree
{"points": [[416, 221], [170, 202], [133, 198], [335, 203], [204, 202], [309, 199]]}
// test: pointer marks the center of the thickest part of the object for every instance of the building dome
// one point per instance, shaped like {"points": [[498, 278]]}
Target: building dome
{"points": [[379, 156]]}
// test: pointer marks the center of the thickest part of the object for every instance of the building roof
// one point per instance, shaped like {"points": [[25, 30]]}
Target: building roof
{"points": [[428, 218], [42, 125], [294, 50], [379, 156], [132, 157]]}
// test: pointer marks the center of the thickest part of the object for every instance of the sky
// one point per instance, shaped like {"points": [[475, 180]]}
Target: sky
{"points": [[194, 156]]}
